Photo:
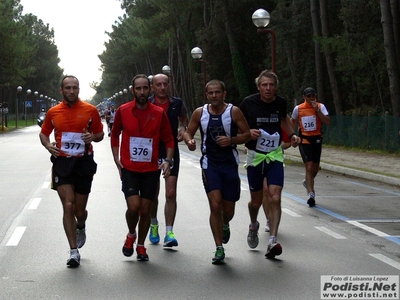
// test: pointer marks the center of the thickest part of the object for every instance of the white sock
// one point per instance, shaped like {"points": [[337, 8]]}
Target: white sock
{"points": [[168, 228]]}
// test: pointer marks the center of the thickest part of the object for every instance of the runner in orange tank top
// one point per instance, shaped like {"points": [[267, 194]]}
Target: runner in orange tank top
{"points": [[310, 115]]}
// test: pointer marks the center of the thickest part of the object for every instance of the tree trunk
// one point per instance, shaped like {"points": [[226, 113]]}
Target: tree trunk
{"points": [[329, 58], [391, 57], [288, 46], [395, 8], [317, 50], [237, 64]]}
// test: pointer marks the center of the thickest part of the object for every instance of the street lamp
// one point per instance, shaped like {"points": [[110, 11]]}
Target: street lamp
{"points": [[150, 77], [167, 71], [28, 92], [125, 95], [41, 99], [19, 90], [197, 53], [121, 97], [261, 19], [130, 90], [34, 104]]}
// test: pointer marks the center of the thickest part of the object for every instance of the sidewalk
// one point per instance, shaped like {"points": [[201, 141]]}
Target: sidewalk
{"points": [[383, 168], [370, 166]]}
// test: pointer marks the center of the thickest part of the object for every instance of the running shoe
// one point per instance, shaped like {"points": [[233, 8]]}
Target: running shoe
{"points": [[311, 202], [273, 250], [226, 235], [219, 256], [170, 240], [154, 236], [252, 237], [127, 249], [141, 253], [74, 258], [267, 226], [80, 237]]}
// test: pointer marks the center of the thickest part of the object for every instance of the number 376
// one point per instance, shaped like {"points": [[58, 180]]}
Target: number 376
{"points": [[140, 151]]}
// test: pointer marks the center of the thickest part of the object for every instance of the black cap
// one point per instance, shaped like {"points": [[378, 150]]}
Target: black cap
{"points": [[309, 91]]}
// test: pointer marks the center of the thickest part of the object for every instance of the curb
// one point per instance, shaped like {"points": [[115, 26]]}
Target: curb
{"points": [[351, 172]]}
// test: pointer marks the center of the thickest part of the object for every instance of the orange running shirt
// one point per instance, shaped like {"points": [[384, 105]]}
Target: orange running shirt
{"points": [[66, 120], [309, 122]]}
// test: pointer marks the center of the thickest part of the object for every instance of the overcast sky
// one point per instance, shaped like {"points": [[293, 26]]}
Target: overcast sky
{"points": [[79, 30]]}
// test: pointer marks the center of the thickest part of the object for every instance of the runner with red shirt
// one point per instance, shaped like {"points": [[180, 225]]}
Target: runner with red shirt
{"points": [[142, 126]]}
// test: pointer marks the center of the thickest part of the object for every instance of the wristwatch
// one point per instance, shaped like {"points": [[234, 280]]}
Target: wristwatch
{"points": [[170, 161]]}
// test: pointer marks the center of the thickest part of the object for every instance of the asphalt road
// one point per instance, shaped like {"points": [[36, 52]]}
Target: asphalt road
{"points": [[353, 230]]}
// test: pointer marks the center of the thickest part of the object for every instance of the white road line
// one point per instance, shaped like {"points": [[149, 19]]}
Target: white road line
{"points": [[367, 228], [45, 185], [35, 203], [378, 220], [16, 236], [291, 213], [330, 232], [386, 260]]}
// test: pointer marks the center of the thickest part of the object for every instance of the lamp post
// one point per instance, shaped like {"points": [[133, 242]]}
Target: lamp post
{"points": [[150, 77], [167, 71], [19, 90], [197, 54], [261, 19], [131, 92], [120, 93], [125, 91], [41, 100], [34, 103], [28, 92], [116, 99]]}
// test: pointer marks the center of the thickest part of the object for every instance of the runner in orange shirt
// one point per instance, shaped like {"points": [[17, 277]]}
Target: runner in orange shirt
{"points": [[76, 125], [310, 115]]}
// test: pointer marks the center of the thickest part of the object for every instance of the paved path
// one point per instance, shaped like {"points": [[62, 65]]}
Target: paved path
{"points": [[378, 167]]}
